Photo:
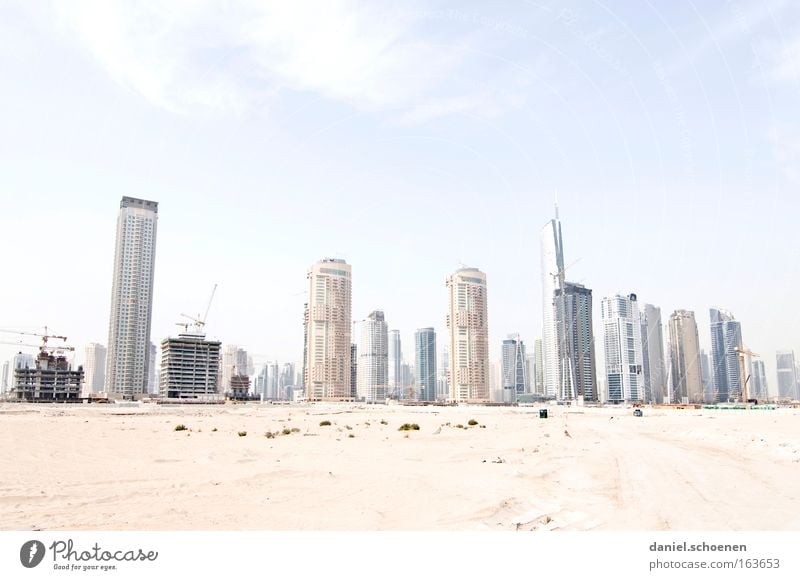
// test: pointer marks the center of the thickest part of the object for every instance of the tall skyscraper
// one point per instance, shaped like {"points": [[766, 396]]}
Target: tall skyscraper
{"points": [[655, 375], [787, 375], [514, 369], [328, 322], [623, 349], [726, 339], [189, 367], [552, 264], [577, 367], [687, 386], [132, 298], [153, 380], [395, 366], [353, 371], [233, 364], [706, 376], [373, 359], [443, 383], [425, 364], [468, 325], [4, 379], [757, 387], [94, 368], [538, 367]]}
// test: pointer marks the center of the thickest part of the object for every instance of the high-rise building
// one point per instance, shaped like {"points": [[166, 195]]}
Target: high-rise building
{"points": [[353, 371], [153, 377], [425, 364], [652, 336], [687, 386], [787, 375], [4, 378], [552, 248], [514, 369], [623, 349], [443, 382], [128, 355], [395, 366], [538, 367], [468, 325], [576, 361], [328, 322], [757, 388], [233, 363], [373, 359], [189, 367], [94, 366], [706, 376], [726, 341]]}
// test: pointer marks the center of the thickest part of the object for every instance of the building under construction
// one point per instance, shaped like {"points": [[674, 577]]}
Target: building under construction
{"points": [[189, 367], [49, 379]]}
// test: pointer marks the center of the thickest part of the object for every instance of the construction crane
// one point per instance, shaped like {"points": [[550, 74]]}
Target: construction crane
{"points": [[199, 323], [44, 336], [39, 346], [743, 352]]}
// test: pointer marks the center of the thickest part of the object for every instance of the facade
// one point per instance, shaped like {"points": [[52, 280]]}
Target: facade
{"points": [[552, 249], [706, 376], [576, 361], [538, 367], [726, 341], [4, 378], [687, 385], [443, 383], [787, 375], [623, 349], [49, 379], [653, 363], [468, 327], [94, 366], [233, 363], [328, 328], [189, 367], [128, 354], [396, 383], [757, 387], [353, 371], [514, 369], [425, 364], [153, 376], [373, 359]]}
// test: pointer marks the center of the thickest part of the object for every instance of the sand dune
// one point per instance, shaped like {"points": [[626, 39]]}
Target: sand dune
{"points": [[126, 468]]}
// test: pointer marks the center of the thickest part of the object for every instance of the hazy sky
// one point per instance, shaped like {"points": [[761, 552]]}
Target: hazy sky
{"points": [[408, 139]]}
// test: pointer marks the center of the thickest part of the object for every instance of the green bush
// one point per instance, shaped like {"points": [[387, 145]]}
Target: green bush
{"points": [[242, 433], [350, 435], [269, 435], [295, 430], [214, 430], [472, 422], [181, 427], [383, 422], [324, 423], [409, 427], [286, 432]]}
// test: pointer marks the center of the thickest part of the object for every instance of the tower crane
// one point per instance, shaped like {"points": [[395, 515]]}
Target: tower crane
{"points": [[199, 323], [45, 337]]}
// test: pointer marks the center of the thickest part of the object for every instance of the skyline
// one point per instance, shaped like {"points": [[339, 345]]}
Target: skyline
{"points": [[673, 150]]}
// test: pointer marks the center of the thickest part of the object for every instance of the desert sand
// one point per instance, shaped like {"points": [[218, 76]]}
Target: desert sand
{"points": [[108, 467]]}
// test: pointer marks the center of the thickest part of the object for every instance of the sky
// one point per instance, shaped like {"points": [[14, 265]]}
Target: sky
{"points": [[409, 139]]}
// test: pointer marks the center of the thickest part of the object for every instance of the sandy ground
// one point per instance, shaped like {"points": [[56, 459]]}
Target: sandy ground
{"points": [[126, 468]]}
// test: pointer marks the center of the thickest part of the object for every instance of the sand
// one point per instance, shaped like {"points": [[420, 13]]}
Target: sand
{"points": [[104, 467]]}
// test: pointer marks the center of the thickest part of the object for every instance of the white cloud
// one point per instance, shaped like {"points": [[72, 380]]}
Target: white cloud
{"points": [[187, 56]]}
